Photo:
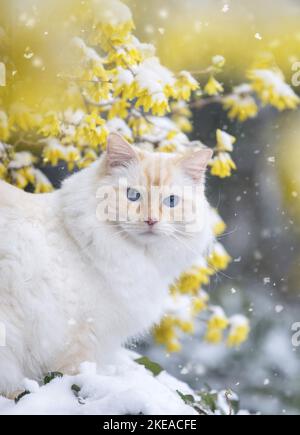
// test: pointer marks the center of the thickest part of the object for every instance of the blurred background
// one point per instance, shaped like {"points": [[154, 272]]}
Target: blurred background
{"points": [[260, 202]]}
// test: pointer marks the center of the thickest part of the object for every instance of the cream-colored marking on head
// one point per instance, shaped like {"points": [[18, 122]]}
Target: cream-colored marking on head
{"points": [[156, 177]]}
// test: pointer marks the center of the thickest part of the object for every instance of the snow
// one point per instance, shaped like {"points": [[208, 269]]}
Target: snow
{"points": [[21, 160], [275, 80], [2, 149], [113, 12], [118, 125], [125, 77], [258, 36], [126, 388], [238, 320], [90, 53], [160, 129], [31, 386], [152, 76]]}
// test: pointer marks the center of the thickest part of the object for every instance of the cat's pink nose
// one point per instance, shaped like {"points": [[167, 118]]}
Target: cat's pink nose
{"points": [[151, 222]]}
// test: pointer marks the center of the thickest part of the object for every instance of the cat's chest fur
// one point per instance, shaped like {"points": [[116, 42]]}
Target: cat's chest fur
{"points": [[120, 291]]}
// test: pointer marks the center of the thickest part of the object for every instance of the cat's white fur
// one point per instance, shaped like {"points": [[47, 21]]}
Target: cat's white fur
{"points": [[71, 289]]}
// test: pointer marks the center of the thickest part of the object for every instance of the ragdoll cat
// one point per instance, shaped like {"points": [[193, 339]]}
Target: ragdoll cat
{"points": [[86, 268]]}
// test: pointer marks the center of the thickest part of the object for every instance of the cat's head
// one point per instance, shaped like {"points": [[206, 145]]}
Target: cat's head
{"points": [[151, 195]]}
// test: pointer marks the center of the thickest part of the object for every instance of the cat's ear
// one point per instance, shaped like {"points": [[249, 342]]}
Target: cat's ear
{"points": [[119, 152], [195, 163]]}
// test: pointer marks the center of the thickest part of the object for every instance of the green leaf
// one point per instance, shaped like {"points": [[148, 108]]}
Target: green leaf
{"points": [[209, 399], [50, 376], [20, 396], [152, 366], [76, 389], [187, 398]]}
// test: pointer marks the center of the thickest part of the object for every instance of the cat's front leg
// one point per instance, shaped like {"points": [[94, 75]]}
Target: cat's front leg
{"points": [[80, 347]]}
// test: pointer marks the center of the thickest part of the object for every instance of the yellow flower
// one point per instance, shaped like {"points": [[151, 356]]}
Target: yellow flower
{"points": [[93, 119], [92, 65], [72, 156], [219, 259], [92, 131], [181, 108], [213, 87], [157, 103], [186, 326], [218, 61], [119, 109], [272, 88], [166, 335], [20, 179], [108, 35], [174, 346], [98, 92], [199, 303], [54, 152], [94, 138], [50, 125], [21, 117], [139, 126], [124, 55], [112, 22], [219, 228], [240, 107], [28, 174], [217, 323], [214, 336], [127, 92], [167, 148], [191, 281], [225, 141], [4, 129], [89, 157], [3, 171], [188, 283], [183, 123], [218, 320], [184, 86], [42, 184], [222, 165], [218, 224], [171, 134], [239, 331], [160, 107], [124, 84]]}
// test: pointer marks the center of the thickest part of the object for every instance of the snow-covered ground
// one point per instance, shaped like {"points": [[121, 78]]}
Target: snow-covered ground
{"points": [[128, 388]]}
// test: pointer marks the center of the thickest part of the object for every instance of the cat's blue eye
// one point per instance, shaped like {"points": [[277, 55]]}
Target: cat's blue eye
{"points": [[171, 201], [133, 194]]}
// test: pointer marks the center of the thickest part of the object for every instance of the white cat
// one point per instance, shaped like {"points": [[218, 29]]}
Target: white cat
{"points": [[74, 287]]}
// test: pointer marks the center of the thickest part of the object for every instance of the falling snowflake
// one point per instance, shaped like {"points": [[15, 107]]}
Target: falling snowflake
{"points": [[28, 54], [279, 309], [163, 13]]}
